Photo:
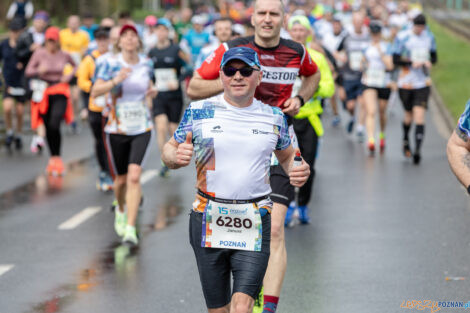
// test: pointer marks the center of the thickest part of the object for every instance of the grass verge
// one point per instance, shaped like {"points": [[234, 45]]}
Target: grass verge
{"points": [[451, 73]]}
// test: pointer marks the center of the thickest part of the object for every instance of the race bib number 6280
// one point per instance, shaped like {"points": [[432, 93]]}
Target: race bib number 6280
{"points": [[232, 226]]}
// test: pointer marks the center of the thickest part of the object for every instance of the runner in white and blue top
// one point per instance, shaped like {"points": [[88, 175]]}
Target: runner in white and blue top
{"points": [[127, 76], [376, 80], [232, 136], [414, 50]]}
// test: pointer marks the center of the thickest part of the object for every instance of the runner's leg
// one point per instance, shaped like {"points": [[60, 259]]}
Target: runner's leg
{"points": [[133, 193], [276, 270], [370, 104]]}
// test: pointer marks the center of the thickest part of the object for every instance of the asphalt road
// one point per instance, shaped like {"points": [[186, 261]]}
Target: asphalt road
{"points": [[383, 231]]}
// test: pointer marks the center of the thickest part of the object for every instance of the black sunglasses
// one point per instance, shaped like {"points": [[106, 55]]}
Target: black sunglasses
{"points": [[244, 71]]}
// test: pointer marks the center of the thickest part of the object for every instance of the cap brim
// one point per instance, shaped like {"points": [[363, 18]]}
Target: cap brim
{"points": [[237, 57]]}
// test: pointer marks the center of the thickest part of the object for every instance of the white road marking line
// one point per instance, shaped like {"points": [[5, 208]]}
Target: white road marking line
{"points": [[147, 176], [5, 268], [79, 218]]}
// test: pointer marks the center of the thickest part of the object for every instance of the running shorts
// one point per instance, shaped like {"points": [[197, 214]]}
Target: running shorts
{"points": [[382, 93], [123, 150], [18, 98], [282, 191], [215, 265], [354, 89], [414, 97], [170, 106]]}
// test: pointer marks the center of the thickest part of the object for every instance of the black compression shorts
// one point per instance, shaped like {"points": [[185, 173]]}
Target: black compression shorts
{"points": [[123, 150], [414, 97], [282, 191], [382, 93], [170, 106], [215, 265]]}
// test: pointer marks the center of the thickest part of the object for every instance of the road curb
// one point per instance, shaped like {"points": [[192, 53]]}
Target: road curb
{"points": [[443, 110]]}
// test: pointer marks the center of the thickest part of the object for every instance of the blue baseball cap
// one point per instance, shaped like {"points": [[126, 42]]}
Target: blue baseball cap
{"points": [[245, 54], [164, 22]]}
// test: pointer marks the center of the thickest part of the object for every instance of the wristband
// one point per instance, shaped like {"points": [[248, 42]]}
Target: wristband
{"points": [[302, 102], [468, 189]]}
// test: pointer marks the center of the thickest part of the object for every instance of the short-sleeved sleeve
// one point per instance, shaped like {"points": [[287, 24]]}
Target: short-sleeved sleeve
{"points": [[103, 71], [464, 120], [308, 67], [185, 126], [284, 139], [210, 67], [397, 47]]}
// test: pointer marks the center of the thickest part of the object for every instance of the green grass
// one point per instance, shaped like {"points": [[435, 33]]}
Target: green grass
{"points": [[451, 73]]}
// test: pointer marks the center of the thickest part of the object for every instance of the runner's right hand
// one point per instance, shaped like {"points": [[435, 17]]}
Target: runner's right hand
{"points": [[184, 152], [122, 75]]}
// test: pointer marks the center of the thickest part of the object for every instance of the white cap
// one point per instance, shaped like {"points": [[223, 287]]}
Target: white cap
{"points": [[198, 19], [239, 29]]}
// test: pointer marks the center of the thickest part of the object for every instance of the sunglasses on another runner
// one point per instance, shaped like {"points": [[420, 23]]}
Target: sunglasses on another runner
{"points": [[244, 71]]}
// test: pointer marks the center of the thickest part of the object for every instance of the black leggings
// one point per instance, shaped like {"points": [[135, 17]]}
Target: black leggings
{"points": [[97, 122], [308, 144], [52, 120]]}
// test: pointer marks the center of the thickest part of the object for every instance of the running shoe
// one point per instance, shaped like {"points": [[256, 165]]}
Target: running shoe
{"points": [[259, 303], [104, 182], [360, 135], [18, 143], [382, 145], [289, 221], [120, 222], [37, 144], [109, 183], [371, 146], [114, 205], [406, 149], [350, 126], [55, 167], [416, 158], [8, 141], [303, 214], [336, 121], [130, 236]]}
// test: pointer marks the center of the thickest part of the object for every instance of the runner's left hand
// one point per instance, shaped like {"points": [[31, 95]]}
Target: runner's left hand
{"points": [[291, 106], [298, 175]]}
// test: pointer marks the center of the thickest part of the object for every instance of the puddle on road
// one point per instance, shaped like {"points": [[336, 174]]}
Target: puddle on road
{"points": [[118, 259], [44, 186]]}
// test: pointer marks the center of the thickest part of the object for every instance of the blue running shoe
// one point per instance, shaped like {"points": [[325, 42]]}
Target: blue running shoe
{"points": [[303, 214], [336, 120], [289, 221], [350, 126]]}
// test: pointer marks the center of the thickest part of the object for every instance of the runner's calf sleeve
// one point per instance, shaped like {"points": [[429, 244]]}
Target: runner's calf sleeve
{"points": [[419, 136], [406, 130]]}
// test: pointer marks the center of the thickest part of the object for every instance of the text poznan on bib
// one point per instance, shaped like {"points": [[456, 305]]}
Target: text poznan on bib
{"points": [[232, 226]]}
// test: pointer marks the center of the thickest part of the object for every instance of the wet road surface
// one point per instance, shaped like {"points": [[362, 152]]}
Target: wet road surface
{"points": [[383, 231]]}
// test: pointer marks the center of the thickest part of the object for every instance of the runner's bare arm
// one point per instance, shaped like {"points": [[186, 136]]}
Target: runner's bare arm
{"points": [[176, 155], [309, 86], [200, 88], [102, 87], [298, 175], [458, 154]]}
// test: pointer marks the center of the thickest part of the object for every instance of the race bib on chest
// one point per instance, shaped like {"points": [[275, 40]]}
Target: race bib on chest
{"points": [[420, 55], [231, 226], [131, 116], [375, 77], [38, 87], [166, 79], [355, 60]]}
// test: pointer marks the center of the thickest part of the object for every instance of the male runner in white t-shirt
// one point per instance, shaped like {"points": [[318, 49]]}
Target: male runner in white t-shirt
{"points": [[233, 136]]}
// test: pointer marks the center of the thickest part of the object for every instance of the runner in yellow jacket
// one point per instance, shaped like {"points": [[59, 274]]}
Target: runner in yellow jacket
{"points": [[307, 123]]}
